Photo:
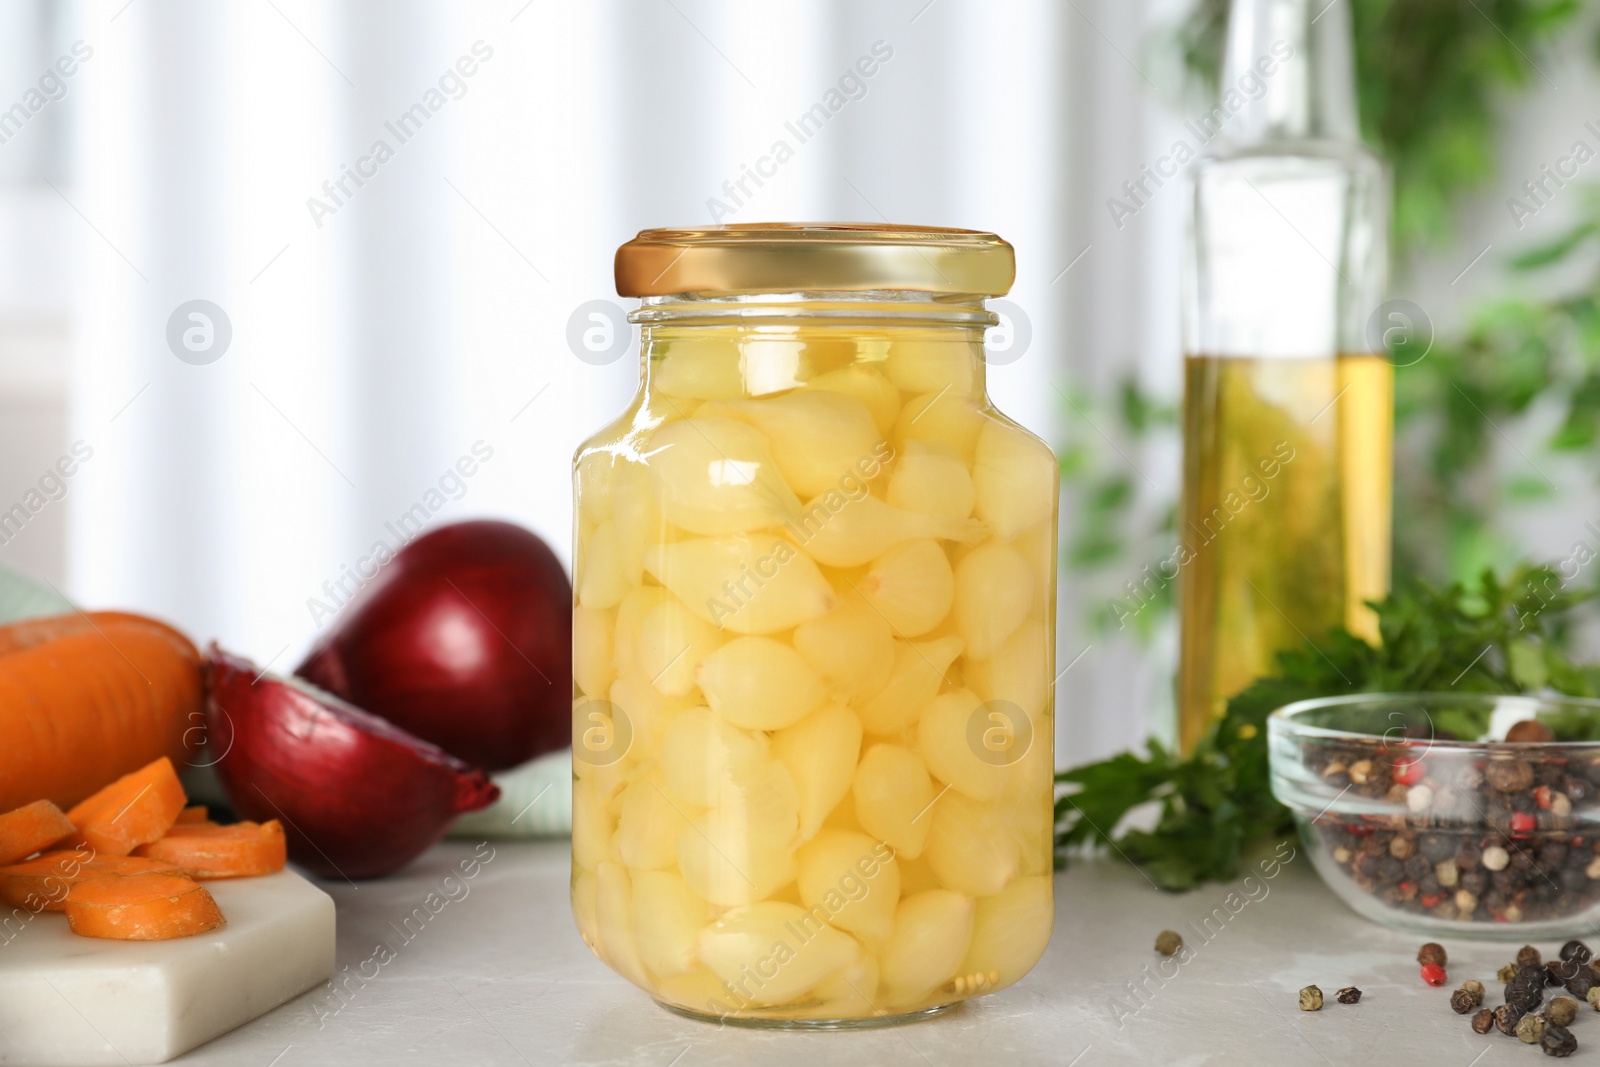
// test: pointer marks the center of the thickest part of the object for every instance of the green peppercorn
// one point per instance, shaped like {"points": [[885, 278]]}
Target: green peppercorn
{"points": [[1561, 1011], [1310, 999], [1169, 942], [1530, 1028], [1506, 973], [1594, 998]]}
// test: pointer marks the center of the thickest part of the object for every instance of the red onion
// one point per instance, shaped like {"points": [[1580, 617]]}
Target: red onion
{"points": [[464, 639], [357, 796]]}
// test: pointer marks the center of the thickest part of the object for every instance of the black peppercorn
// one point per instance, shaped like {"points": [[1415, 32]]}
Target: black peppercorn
{"points": [[1580, 984], [1433, 953], [1483, 1022], [1437, 847], [1574, 950], [1560, 972], [1508, 776], [1524, 994], [1558, 1041], [1527, 954], [1351, 995], [1506, 1018]]}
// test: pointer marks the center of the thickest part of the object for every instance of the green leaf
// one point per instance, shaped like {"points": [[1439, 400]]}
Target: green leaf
{"points": [[1555, 251], [1528, 667]]}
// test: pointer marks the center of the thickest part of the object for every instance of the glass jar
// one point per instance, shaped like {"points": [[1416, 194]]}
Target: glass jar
{"points": [[814, 635]]}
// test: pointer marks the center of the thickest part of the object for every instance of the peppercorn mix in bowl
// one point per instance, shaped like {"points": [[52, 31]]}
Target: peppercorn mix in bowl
{"points": [[1467, 814]]}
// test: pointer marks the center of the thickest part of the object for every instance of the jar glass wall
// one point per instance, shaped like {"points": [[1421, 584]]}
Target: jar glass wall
{"points": [[814, 638]]}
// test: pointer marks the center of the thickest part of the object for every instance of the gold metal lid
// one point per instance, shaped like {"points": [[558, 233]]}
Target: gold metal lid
{"points": [[787, 257]]}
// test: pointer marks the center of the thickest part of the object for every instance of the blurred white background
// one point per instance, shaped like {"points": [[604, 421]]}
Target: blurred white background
{"points": [[377, 337]]}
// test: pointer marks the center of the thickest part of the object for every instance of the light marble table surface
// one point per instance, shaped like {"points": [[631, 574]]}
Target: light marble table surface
{"points": [[499, 976]]}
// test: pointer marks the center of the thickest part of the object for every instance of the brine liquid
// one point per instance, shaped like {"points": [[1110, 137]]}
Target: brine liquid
{"points": [[813, 654], [1285, 519]]}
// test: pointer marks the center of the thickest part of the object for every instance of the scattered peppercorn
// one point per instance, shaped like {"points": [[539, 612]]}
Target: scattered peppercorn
{"points": [[1530, 731], [1434, 953], [1483, 1022], [1558, 1041], [1527, 955], [1310, 999], [1561, 1011], [1472, 985], [1576, 950], [1530, 1028], [1505, 1019], [1524, 993], [1348, 995], [1169, 942], [1560, 972], [1462, 1001], [1506, 973], [1580, 984], [1594, 998]]}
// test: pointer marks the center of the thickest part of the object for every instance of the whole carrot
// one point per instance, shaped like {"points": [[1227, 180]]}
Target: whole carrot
{"points": [[85, 699], [30, 633]]}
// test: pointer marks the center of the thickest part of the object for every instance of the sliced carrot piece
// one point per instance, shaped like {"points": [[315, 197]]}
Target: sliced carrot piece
{"points": [[133, 810], [192, 814], [141, 907], [42, 883], [206, 850], [31, 828]]}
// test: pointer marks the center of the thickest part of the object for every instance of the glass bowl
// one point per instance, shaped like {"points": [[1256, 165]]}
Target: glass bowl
{"points": [[1449, 813]]}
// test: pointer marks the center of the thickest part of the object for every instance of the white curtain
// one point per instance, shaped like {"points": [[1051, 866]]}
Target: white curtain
{"points": [[380, 330]]}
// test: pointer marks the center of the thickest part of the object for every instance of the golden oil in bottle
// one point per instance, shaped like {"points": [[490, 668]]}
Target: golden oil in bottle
{"points": [[1285, 516]]}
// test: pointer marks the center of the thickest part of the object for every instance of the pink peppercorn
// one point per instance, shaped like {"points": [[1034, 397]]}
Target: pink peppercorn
{"points": [[1433, 974], [1409, 771]]}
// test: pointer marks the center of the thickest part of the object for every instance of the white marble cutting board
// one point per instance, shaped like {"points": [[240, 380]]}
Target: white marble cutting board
{"points": [[81, 1001]]}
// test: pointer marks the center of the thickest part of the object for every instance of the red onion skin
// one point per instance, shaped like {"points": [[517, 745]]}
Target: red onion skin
{"points": [[464, 639], [357, 797]]}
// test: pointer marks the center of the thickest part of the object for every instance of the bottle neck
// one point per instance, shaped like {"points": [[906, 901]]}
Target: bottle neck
{"points": [[1292, 64]]}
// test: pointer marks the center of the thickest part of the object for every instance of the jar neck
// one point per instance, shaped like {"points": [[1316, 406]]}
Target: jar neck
{"points": [[783, 341]]}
